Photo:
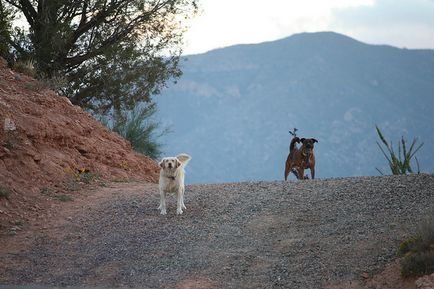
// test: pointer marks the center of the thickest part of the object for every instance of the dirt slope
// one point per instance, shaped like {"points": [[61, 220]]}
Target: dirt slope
{"points": [[334, 233], [44, 141]]}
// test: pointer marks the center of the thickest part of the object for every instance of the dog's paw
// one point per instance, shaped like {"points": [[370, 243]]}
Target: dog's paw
{"points": [[179, 212], [163, 212]]}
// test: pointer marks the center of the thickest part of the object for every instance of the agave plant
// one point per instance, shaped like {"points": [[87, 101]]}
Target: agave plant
{"points": [[400, 164], [138, 127]]}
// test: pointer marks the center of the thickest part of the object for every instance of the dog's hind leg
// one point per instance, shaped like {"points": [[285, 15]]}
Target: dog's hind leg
{"points": [[179, 201], [287, 166], [182, 200], [294, 171], [312, 172]]}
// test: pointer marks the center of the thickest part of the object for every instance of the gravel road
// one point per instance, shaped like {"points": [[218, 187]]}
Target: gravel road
{"points": [[298, 234]]}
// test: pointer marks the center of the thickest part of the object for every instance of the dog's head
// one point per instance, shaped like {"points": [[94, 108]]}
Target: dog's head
{"points": [[169, 163], [308, 143]]}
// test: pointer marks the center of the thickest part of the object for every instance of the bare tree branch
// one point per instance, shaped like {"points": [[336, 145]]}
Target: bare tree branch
{"points": [[29, 11]]}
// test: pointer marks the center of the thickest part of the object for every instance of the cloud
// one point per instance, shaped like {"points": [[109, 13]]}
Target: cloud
{"points": [[402, 23], [228, 22]]}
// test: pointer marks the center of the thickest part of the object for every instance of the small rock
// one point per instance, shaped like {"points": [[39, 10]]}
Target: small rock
{"points": [[9, 125], [37, 157], [425, 282], [16, 228], [64, 98]]}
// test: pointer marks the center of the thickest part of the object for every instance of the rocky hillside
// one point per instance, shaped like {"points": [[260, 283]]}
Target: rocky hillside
{"points": [[49, 147]]}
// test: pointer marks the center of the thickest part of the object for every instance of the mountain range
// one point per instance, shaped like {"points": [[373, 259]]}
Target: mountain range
{"points": [[233, 107]]}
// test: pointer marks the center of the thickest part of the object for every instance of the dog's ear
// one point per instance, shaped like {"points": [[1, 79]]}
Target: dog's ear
{"points": [[314, 140], [302, 140], [178, 163], [296, 139], [161, 164]]}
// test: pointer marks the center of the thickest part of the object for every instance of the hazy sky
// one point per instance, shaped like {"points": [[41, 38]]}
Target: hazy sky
{"points": [[401, 23]]}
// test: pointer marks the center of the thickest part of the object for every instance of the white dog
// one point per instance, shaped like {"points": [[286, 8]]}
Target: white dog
{"points": [[172, 180]]}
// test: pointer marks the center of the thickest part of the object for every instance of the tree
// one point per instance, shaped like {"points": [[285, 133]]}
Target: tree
{"points": [[5, 31], [113, 53]]}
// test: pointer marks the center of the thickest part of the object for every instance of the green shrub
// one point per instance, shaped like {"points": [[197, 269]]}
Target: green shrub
{"points": [[417, 264], [139, 129], [26, 68], [87, 177], [400, 164], [44, 191], [9, 144], [72, 185], [63, 198], [407, 246], [418, 251], [4, 193], [54, 83], [84, 175]]}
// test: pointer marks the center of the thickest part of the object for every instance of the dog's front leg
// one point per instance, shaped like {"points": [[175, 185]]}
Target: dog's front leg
{"points": [[162, 206], [312, 172], [179, 202], [182, 199], [300, 173]]}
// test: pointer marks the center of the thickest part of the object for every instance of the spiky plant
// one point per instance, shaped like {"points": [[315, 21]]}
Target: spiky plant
{"points": [[400, 164], [137, 127]]}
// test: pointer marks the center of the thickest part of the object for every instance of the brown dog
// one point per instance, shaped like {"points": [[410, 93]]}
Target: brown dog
{"points": [[301, 158]]}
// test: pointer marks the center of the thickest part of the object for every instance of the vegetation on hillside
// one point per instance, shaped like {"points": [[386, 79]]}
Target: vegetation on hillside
{"points": [[418, 252], [138, 127], [399, 163]]}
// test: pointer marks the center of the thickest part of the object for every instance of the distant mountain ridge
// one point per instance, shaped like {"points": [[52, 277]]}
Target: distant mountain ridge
{"points": [[233, 107]]}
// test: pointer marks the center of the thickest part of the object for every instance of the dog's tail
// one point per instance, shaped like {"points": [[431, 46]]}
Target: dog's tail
{"points": [[183, 158], [293, 142]]}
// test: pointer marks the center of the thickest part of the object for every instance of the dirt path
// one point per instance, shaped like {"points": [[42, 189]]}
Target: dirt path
{"points": [[244, 235]]}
